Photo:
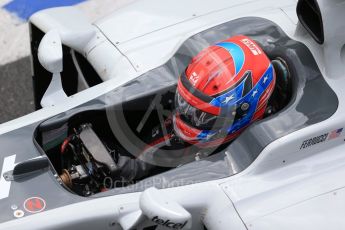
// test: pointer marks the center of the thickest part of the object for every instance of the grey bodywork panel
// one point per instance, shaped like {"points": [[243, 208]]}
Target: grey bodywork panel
{"points": [[42, 184], [302, 111]]}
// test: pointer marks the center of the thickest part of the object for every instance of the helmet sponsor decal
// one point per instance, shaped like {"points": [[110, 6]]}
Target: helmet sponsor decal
{"points": [[252, 46], [194, 78]]}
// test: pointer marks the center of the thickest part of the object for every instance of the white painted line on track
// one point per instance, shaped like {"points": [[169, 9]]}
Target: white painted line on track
{"points": [[5, 186]]}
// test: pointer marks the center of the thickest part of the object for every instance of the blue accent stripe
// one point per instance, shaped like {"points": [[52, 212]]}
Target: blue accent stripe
{"points": [[236, 52], [252, 98], [25, 8], [230, 98]]}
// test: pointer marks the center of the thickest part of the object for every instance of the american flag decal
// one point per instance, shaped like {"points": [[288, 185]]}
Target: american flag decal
{"points": [[334, 134]]}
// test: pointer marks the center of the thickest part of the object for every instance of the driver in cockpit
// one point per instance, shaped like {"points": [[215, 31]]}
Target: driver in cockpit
{"points": [[225, 88]]}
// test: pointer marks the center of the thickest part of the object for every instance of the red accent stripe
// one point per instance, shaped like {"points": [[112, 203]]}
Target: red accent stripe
{"points": [[156, 142], [185, 129]]}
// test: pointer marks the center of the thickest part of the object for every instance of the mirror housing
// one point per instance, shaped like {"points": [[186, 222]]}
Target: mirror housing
{"points": [[50, 52], [50, 56]]}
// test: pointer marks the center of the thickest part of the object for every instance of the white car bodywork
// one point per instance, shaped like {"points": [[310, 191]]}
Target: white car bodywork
{"points": [[284, 188]]}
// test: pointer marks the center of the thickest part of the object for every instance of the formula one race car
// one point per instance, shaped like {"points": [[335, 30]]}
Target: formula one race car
{"points": [[101, 90]]}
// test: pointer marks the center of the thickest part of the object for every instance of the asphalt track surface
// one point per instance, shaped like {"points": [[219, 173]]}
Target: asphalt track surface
{"points": [[16, 90]]}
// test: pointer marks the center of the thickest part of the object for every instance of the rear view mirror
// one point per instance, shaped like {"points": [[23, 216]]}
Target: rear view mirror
{"points": [[50, 52], [50, 56]]}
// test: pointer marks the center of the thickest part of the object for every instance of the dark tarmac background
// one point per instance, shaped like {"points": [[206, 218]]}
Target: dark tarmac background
{"points": [[16, 91]]}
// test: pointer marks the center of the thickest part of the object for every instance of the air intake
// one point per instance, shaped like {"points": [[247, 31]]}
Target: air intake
{"points": [[309, 14]]}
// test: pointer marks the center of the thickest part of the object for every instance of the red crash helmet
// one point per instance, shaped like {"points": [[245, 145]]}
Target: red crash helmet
{"points": [[224, 89]]}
